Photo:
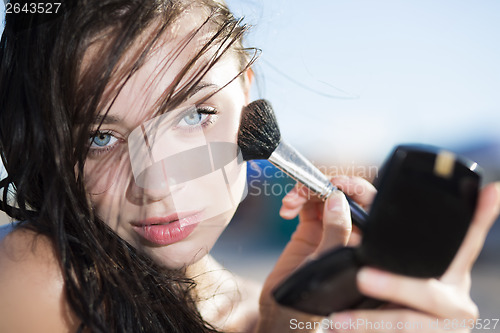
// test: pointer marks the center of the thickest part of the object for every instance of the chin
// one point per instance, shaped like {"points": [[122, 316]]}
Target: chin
{"points": [[178, 257]]}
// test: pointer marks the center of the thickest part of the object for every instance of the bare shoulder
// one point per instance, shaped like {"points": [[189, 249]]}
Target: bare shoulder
{"points": [[32, 286]]}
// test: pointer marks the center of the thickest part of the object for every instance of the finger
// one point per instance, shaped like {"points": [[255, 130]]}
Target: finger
{"points": [[297, 196], [355, 238], [291, 204], [387, 321], [426, 295], [337, 225], [359, 189], [487, 210], [294, 201], [291, 210]]}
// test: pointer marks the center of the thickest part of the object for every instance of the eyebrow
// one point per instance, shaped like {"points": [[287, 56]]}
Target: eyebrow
{"points": [[106, 119], [110, 119], [202, 85]]}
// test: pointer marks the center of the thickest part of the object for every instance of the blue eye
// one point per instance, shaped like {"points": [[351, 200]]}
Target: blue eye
{"points": [[102, 139], [193, 118], [197, 117]]}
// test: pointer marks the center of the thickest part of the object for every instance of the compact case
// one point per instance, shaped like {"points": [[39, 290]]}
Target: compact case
{"points": [[425, 202]]}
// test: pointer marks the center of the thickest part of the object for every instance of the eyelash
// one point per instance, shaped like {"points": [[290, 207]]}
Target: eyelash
{"points": [[206, 110], [211, 113], [95, 151]]}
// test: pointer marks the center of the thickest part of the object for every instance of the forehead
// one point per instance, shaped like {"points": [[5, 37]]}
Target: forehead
{"points": [[164, 68]]}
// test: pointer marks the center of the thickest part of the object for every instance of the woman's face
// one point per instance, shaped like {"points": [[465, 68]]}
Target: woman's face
{"points": [[170, 183]]}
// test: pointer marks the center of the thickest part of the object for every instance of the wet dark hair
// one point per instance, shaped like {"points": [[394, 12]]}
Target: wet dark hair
{"points": [[49, 98]]}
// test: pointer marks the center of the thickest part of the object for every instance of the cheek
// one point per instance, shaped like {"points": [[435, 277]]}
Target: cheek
{"points": [[226, 128], [216, 193], [101, 205], [237, 179], [107, 207], [230, 101], [106, 180]]}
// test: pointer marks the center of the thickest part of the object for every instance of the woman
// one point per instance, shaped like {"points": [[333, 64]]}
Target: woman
{"points": [[118, 128]]}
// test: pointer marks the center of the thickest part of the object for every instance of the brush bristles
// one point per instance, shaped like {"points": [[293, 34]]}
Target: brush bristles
{"points": [[259, 134]]}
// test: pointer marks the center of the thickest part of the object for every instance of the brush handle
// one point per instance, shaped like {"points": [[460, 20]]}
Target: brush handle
{"points": [[358, 214], [290, 161]]}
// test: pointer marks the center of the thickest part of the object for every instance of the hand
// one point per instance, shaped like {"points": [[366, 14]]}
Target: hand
{"points": [[427, 305], [322, 226]]}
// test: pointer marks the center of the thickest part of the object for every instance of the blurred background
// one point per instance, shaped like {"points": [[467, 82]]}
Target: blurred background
{"points": [[349, 80]]}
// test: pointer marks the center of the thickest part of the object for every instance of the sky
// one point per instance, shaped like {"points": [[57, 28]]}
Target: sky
{"points": [[350, 79]]}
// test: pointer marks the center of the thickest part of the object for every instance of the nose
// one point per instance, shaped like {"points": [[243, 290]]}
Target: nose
{"points": [[150, 185]]}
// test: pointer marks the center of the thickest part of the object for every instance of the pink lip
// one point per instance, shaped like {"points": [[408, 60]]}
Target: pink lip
{"points": [[169, 229]]}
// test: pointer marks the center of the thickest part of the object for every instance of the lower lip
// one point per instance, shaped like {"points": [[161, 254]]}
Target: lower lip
{"points": [[173, 232]]}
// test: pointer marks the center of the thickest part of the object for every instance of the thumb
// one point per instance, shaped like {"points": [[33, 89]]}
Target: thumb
{"points": [[337, 224]]}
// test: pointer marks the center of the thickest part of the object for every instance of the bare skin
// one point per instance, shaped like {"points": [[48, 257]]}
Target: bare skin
{"points": [[31, 282], [29, 270], [414, 299], [32, 287]]}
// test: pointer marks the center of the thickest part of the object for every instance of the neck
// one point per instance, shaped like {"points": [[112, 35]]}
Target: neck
{"points": [[211, 277], [216, 290]]}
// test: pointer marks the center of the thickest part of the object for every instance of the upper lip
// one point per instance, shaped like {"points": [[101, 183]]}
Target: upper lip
{"points": [[156, 220]]}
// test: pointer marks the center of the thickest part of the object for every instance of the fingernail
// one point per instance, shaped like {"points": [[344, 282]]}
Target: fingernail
{"points": [[337, 202], [372, 278], [285, 213], [288, 198], [340, 322], [497, 185]]}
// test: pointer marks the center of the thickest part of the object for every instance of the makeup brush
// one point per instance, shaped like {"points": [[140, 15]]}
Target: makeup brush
{"points": [[259, 138]]}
